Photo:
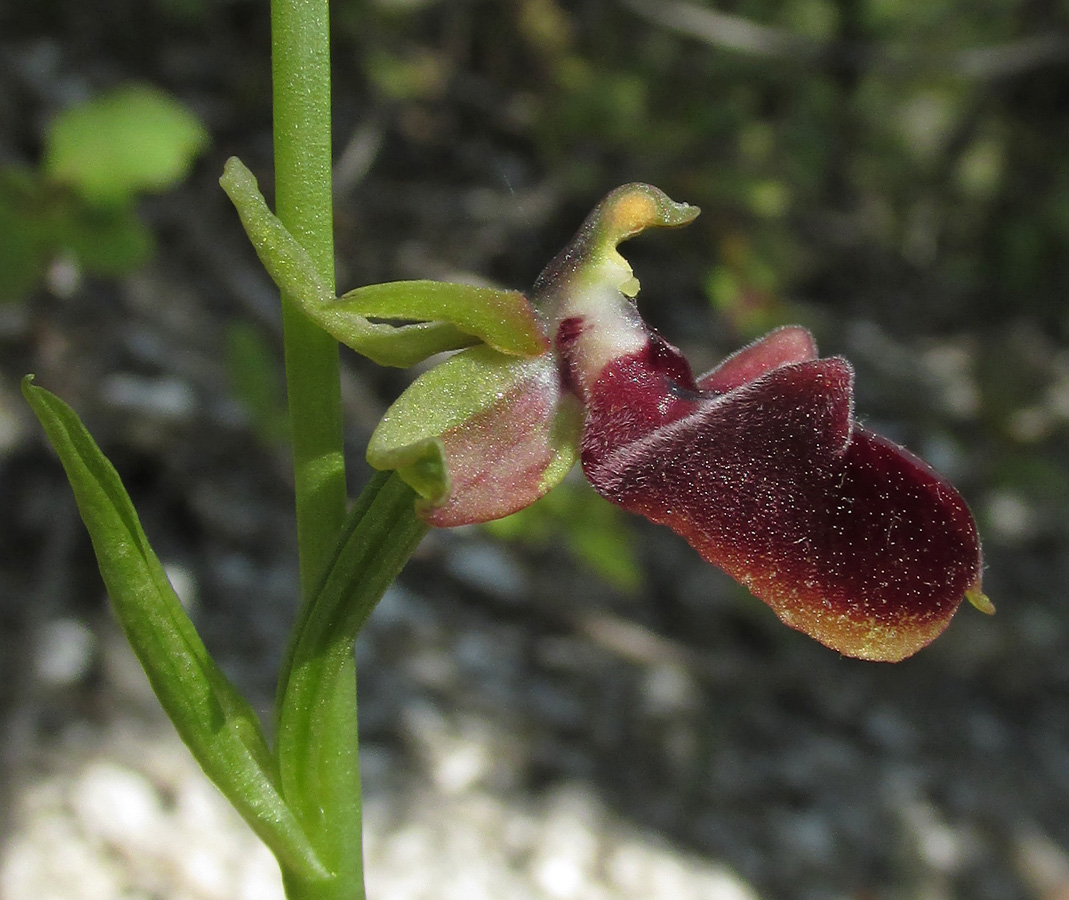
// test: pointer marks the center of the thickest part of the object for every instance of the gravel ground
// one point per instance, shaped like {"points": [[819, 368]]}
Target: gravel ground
{"points": [[517, 744]]}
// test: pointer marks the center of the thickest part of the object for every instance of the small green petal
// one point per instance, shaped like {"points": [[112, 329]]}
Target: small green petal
{"points": [[502, 319], [440, 316]]}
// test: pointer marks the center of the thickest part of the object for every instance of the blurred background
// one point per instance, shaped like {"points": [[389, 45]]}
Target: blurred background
{"points": [[568, 704]]}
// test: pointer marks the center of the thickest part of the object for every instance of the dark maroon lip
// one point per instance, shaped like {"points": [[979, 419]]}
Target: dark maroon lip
{"points": [[758, 464], [846, 535]]}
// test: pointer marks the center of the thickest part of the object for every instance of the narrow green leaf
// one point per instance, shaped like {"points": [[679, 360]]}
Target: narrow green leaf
{"points": [[214, 720], [317, 737]]}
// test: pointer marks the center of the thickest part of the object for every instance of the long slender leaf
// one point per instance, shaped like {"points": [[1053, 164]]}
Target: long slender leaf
{"points": [[318, 685], [215, 721]]}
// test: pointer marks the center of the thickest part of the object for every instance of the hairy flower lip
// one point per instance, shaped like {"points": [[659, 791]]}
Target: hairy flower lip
{"points": [[847, 536]]}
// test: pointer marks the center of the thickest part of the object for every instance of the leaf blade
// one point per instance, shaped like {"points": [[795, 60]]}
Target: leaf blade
{"points": [[210, 715]]}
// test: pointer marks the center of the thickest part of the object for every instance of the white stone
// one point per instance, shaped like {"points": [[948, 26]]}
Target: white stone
{"points": [[1010, 516], [120, 807], [36, 865], [64, 652], [185, 584], [670, 689], [258, 876], [564, 865], [163, 398], [205, 872], [488, 568]]}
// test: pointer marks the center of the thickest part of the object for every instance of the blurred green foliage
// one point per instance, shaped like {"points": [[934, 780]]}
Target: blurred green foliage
{"points": [[129, 140], [856, 148], [254, 371], [596, 533], [98, 157]]}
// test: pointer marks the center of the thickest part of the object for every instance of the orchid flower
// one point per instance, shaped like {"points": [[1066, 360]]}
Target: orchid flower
{"points": [[758, 464]]}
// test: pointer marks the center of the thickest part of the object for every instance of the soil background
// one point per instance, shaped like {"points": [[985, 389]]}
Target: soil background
{"points": [[532, 727]]}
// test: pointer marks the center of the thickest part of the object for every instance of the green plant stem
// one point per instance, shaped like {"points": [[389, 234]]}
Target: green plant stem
{"points": [[300, 57], [323, 787], [317, 738]]}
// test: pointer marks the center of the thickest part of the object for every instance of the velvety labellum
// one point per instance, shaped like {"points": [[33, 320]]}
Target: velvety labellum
{"points": [[759, 465]]}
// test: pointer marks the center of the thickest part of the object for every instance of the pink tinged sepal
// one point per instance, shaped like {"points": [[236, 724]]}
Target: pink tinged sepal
{"points": [[760, 467], [480, 436]]}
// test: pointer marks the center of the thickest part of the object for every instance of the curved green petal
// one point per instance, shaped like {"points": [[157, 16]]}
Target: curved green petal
{"points": [[502, 319]]}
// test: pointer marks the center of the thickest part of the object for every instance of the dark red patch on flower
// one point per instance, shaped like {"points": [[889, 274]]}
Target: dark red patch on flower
{"points": [[759, 465]]}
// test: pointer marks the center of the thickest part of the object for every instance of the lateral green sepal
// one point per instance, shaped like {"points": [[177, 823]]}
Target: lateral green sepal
{"points": [[434, 316]]}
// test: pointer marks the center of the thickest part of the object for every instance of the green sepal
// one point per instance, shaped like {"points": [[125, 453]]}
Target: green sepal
{"points": [[212, 718], [480, 436], [442, 316]]}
